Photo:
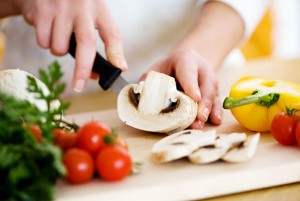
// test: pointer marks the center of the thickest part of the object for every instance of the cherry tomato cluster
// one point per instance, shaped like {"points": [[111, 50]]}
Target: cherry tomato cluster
{"points": [[285, 128], [93, 150]]}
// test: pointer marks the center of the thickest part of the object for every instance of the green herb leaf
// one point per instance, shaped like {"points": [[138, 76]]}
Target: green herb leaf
{"points": [[29, 169]]}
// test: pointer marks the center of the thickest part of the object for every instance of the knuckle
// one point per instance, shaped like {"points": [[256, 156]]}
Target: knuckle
{"points": [[214, 81], [84, 5], [112, 35], [84, 71], [41, 8], [79, 2], [116, 35], [41, 13], [87, 38]]}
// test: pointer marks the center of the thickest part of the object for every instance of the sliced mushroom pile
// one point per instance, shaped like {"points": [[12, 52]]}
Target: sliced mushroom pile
{"points": [[156, 105], [203, 147]]}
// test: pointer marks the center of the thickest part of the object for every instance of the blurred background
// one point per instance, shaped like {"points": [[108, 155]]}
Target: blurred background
{"points": [[277, 35]]}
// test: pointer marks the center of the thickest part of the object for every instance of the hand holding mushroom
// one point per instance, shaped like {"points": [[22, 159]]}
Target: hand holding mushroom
{"points": [[198, 80]]}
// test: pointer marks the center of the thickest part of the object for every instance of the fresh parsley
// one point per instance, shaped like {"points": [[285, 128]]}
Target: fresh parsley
{"points": [[29, 169]]}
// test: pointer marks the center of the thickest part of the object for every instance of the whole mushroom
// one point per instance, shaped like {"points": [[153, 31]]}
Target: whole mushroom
{"points": [[14, 82], [156, 105]]}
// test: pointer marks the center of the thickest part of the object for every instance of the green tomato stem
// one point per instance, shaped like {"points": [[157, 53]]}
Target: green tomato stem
{"points": [[291, 111], [259, 98]]}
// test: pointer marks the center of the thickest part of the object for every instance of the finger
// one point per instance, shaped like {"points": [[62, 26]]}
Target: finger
{"points": [[198, 125], [61, 33], [29, 10], [161, 66], [85, 51], [209, 90], [216, 113], [143, 77], [112, 39], [43, 27], [187, 75]]}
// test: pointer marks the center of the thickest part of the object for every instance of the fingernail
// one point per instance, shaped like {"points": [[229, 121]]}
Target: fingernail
{"points": [[122, 64], [198, 125], [198, 94], [219, 117], [205, 113], [79, 85], [115, 55]]}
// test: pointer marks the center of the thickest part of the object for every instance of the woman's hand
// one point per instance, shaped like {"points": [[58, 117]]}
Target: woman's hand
{"points": [[54, 22], [198, 80]]}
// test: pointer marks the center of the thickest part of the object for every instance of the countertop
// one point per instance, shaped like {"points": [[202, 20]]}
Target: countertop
{"points": [[267, 68]]}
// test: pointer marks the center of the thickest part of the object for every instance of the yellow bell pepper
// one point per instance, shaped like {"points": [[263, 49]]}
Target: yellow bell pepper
{"points": [[254, 101]]}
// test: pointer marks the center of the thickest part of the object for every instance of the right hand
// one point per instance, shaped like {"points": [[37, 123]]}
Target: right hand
{"points": [[54, 22]]}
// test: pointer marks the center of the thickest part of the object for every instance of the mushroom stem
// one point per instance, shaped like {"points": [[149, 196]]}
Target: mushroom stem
{"points": [[156, 93]]}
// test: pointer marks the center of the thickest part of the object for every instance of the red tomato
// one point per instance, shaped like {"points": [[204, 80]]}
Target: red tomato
{"points": [[90, 136], [64, 139], [297, 133], [79, 164], [283, 128], [36, 131], [113, 163]]}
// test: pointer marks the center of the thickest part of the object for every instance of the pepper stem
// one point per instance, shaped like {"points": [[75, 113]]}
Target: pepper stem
{"points": [[257, 97]]}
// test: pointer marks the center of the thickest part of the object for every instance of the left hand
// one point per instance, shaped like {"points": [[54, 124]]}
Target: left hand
{"points": [[198, 80]]}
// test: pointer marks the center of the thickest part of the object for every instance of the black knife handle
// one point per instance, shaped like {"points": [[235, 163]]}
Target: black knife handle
{"points": [[108, 72]]}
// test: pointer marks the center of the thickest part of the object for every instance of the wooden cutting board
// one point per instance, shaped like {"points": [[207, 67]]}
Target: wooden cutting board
{"points": [[272, 165]]}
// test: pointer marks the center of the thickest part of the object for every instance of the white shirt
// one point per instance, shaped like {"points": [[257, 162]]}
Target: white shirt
{"points": [[149, 29]]}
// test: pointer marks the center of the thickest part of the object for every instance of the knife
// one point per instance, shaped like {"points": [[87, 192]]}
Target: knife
{"points": [[110, 76]]}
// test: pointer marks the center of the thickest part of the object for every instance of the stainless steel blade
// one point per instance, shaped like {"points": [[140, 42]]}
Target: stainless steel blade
{"points": [[118, 84]]}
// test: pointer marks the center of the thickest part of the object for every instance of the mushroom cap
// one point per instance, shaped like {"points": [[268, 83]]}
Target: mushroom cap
{"points": [[150, 112], [14, 82]]}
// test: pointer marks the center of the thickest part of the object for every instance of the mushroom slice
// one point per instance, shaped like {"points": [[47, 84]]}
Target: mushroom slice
{"points": [[181, 144], [244, 151], [214, 152], [156, 105]]}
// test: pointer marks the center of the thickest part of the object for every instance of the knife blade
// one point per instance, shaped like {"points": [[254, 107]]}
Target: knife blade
{"points": [[110, 76]]}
